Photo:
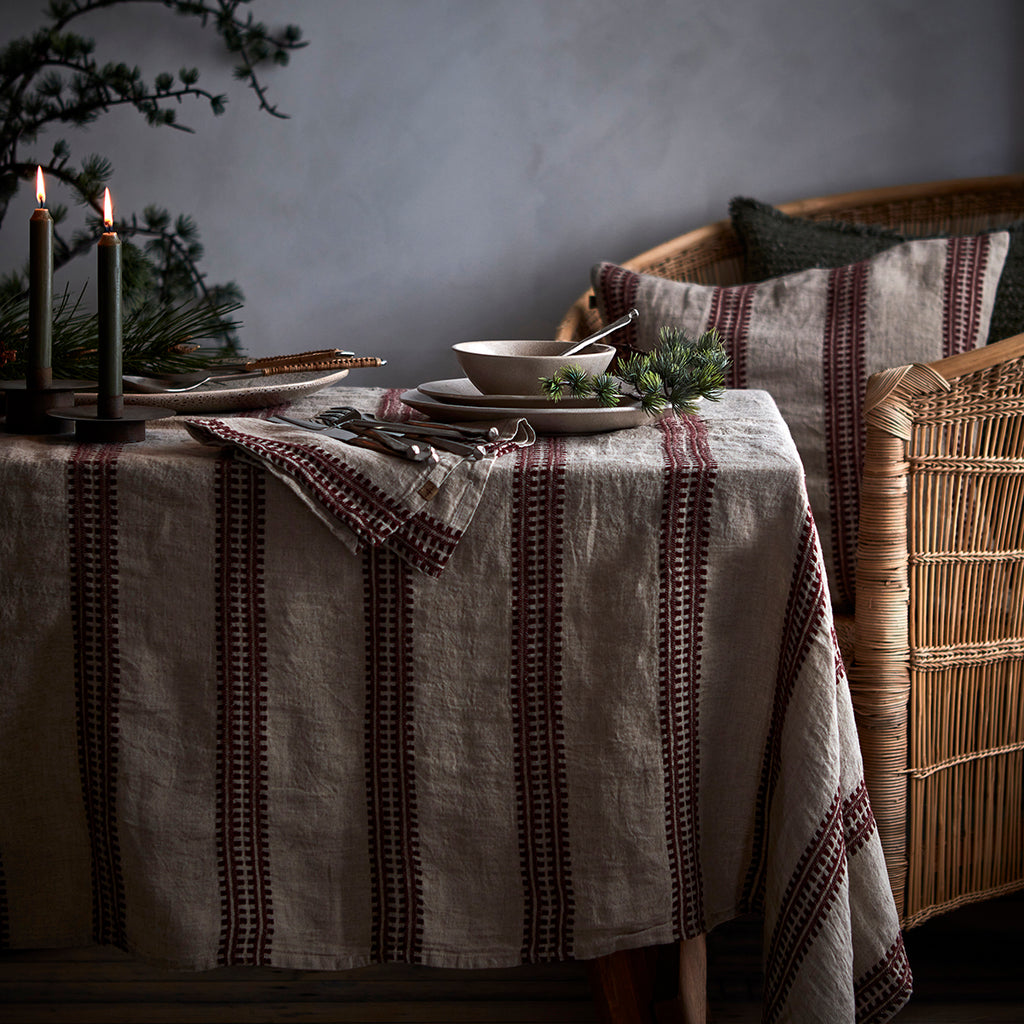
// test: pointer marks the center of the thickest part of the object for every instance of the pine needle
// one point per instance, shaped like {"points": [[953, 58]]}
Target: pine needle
{"points": [[154, 339]]}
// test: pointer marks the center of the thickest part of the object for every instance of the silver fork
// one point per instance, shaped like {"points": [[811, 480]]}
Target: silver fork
{"points": [[374, 440]]}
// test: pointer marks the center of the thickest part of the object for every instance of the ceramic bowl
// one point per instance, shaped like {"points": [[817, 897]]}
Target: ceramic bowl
{"points": [[515, 367]]}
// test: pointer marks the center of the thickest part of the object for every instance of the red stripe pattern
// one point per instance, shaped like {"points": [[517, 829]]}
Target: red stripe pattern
{"points": [[966, 262], [347, 495], [618, 289], [858, 819], [812, 890], [395, 864], [808, 597], [844, 365], [247, 919], [537, 546], [689, 475], [730, 316], [883, 990], [93, 515]]}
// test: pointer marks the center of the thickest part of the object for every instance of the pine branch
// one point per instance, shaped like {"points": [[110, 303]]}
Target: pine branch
{"points": [[677, 373], [156, 339], [89, 185], [247, 38], [51, 78], [98, 90]]}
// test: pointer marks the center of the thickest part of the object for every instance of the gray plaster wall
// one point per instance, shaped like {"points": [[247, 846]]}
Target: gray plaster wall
{"points": [[451, 168]]}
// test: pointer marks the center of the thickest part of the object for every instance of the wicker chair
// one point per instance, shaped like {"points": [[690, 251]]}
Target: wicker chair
{"points": [[938, 633]]}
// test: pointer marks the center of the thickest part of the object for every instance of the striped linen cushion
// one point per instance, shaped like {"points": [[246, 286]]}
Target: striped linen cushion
{"points": [[812, 339]]}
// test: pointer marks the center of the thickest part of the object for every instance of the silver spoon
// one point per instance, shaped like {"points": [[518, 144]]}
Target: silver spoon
{"points": [[173, 383], [155, 386], [616, 325]]}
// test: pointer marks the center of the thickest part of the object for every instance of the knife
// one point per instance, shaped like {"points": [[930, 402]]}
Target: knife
{"points": [[379, 442]]}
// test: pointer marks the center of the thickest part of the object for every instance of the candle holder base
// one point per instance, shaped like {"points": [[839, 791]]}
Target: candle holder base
{"points": [[90, 427], [29, 407]]}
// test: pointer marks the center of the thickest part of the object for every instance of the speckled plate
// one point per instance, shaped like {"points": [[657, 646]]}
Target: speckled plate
{"points": [[549, 420], [247, 393]]}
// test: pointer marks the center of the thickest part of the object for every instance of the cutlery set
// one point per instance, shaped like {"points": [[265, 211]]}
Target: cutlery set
{"points": [[413, 440]]}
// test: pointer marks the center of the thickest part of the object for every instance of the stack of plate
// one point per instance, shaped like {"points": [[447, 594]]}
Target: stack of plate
{"points": [[460, 400]]}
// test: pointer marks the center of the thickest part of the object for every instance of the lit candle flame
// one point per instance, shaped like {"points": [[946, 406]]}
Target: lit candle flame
{"points": [[40, 186], [108, 210]]}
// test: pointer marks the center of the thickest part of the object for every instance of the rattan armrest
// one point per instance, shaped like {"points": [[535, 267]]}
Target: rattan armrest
{"points": [[939, 639]]}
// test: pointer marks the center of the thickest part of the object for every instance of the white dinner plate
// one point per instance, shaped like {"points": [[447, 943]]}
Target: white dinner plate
{"points": [[551, 419], [247, 393], [462, 391]]}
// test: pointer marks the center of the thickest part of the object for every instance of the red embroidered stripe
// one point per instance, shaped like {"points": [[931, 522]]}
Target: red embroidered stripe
{"points": [[730, 316], [689, 474], [425, 543], [395, 872], [844, 361], [352, 498], [805, 907], [247, 920], [619, 288], [537, 544], [858, 819], [880, 992], [966, 260], [92, 510], [805, 608], [340, 489]]}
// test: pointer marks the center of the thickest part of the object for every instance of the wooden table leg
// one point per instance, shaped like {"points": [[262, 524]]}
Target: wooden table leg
{"points": [[686, 1002], [654, 985], [622, 986]]}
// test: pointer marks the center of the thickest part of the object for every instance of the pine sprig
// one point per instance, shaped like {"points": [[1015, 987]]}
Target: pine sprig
{"points": [[52, 78], [156, 338], [675, 375]]}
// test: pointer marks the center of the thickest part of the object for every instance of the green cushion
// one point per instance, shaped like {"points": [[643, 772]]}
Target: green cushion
{"points": [[775, 244]]}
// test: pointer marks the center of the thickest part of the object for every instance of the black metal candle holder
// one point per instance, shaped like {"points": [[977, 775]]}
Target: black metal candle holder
{"points": [[29, 406], [110, 425]]}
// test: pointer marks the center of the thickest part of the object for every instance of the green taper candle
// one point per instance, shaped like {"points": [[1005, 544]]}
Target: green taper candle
{"points": [[40, 292], [110, 397]]}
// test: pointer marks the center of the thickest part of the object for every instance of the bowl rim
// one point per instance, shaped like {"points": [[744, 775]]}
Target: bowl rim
{"points": [[597, 348]]}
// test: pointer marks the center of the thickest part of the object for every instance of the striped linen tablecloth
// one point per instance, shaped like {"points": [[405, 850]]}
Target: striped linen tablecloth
{"points": [[614, 715]]}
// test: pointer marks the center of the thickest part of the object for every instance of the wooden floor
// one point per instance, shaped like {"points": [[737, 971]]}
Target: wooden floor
{"points": [[968, 968]]}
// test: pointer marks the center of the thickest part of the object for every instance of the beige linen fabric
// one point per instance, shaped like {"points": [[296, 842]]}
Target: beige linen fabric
{"points": [[616, 718]]}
